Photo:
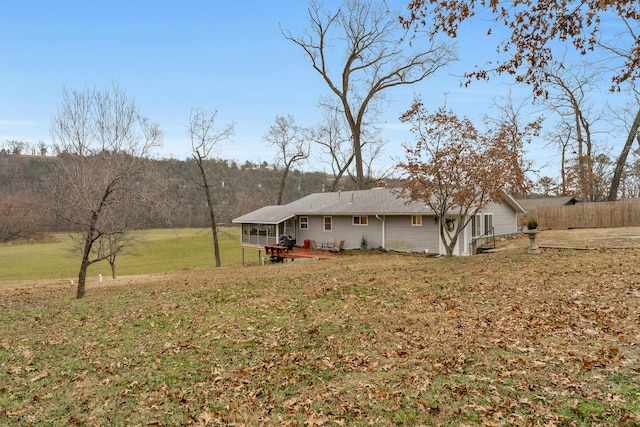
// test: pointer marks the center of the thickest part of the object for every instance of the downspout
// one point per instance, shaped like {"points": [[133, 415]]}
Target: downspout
{"points": [[384, 243]]}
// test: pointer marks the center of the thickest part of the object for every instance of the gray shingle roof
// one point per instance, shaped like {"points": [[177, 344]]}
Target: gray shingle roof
{"points": [[379, 201], [267, 215]]}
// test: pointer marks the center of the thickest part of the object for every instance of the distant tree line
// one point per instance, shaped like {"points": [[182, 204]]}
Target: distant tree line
{"points": [[12, 146], [239, 187]]}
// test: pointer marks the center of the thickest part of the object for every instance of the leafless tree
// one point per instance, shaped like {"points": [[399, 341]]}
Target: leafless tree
{"points": [[20, 216], [205, 139], [546, 186], [291, 145], [561, 136], [630, 182], [109, 246], [101, 183], [633, 133], [570, 91], [360, 53], [333, 137]]}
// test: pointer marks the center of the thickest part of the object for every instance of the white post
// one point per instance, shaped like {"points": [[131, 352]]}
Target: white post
{"points": [[100, 278]]}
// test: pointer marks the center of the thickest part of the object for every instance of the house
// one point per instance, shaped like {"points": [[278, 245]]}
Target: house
{"points": [[378, 217]]}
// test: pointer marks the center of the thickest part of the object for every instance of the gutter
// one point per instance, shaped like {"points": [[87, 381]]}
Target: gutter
{"points": [[384, 243]]}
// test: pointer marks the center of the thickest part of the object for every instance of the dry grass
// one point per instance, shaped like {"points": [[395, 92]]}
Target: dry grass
{"points": [[498, 339]]}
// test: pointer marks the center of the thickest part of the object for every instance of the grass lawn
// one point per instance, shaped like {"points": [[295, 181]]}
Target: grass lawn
{"points": [[157, 251], [381, 339]]}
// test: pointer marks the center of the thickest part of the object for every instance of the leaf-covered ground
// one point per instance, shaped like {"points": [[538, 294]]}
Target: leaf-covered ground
{"points": [[498, 339]]}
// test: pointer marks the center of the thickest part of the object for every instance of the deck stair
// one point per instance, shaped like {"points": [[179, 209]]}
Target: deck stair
{"points": [[484, 243]]}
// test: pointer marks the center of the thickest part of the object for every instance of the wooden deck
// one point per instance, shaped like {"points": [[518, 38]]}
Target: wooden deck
{"points": [[298, 252], [301, 252]]}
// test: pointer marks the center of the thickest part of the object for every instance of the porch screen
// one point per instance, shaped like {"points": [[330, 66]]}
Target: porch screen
{"points": [[259, 234]]}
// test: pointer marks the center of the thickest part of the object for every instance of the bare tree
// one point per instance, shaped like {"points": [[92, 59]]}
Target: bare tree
{"points": [[333, 137], [17, 148], [20, 216], [109, 246], [456, 170], [205, 139], [360, 54], [631, 176], [291, 145], [569, 92], [561, 135], [330, 135], [101, 183], [632, 134], [547, 186], [42, 148]]}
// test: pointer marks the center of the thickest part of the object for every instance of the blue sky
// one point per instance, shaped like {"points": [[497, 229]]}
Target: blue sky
{"points": [[172, 56]]}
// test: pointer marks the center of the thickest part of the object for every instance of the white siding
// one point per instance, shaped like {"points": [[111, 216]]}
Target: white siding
{"points": [[402, 236], [504, 218], [398, 233]]}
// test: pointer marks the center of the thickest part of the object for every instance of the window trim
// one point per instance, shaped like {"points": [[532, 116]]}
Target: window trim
{"points": [[324, 223], [485, 221], [477, 226], [360, 218], [415, 223], [304, 223]]}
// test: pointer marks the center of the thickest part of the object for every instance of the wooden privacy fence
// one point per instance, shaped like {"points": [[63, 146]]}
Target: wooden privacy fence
{"points": [[622, 213]]}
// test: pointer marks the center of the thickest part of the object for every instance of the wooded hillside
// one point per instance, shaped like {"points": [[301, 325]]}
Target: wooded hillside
{"points": [[238, 189]]}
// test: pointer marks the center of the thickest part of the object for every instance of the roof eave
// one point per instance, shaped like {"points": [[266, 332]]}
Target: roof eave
{"points": [[512, 202]]}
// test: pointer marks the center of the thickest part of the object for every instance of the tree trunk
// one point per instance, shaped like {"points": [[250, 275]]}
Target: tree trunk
{"points": [[450, 245], [283, 182], [82, 278], [214, 231], [112, 263], [86, 252], [212, 217], [622, 159], [357, 151]]}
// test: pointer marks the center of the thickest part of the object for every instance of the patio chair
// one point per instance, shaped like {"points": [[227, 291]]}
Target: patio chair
{"points": [[338, 248], [313, 246]]}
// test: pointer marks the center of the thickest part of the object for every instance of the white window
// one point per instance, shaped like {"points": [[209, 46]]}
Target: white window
{"points": [[304, 222], [488, 223], [327, 223], [482, 224], [477, 225], [360, 220], [416, 220]]}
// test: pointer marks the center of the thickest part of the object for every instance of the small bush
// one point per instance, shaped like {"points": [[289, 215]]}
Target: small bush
{"points": [[532, 224], [364, 244]]}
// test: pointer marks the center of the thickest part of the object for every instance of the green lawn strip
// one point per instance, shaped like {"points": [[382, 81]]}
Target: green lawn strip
{"points": [[156, 251]]}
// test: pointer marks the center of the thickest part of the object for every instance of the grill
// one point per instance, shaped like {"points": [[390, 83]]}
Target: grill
{"points": [[286, 240]]}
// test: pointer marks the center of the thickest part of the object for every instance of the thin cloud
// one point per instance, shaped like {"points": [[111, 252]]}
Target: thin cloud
{"points": [[16, 123]]}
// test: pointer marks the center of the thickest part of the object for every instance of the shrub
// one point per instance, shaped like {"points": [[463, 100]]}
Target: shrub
{"points": [[364, 244], [532, 224]]}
